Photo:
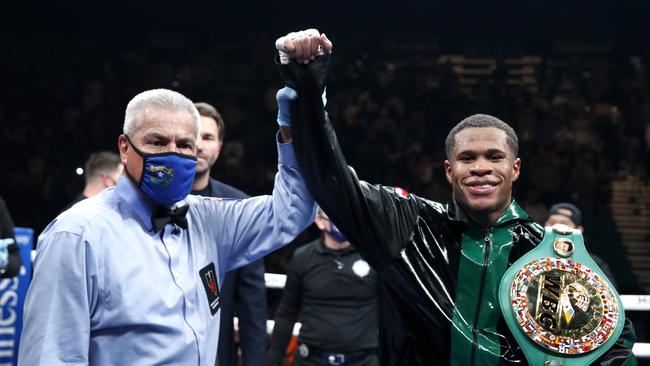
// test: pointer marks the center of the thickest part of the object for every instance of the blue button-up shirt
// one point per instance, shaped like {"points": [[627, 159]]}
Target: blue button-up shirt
{"points": [[108, 290]]}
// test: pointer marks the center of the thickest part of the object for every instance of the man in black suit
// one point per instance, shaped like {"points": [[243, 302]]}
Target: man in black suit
{"points": [[243, 292]]}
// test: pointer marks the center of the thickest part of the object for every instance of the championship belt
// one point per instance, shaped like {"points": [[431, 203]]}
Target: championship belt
{"points": [[558, 304]]}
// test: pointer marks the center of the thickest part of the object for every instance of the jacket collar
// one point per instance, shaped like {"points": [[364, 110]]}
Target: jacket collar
{"points": [[512, 213]]}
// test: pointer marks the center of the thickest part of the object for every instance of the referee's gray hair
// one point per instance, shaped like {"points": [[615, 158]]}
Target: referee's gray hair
{"points": [[158, 98]]}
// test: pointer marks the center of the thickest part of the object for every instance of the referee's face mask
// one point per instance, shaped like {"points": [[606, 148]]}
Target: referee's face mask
{"points": [[166, 177]]}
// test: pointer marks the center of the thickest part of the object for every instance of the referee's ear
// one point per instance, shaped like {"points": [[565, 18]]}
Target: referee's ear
{"points": [[123, 148]]}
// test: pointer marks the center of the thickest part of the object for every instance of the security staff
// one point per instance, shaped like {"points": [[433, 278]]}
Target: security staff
{"points": [[333, 291]]}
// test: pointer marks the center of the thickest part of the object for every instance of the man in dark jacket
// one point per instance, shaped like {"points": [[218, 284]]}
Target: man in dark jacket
{"points": [[243, 292], [441, 265]]}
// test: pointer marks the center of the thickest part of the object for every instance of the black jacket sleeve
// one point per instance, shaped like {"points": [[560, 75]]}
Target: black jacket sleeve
{"points": [[7, 231], [376, 219], [288, 311], [621, 352]]}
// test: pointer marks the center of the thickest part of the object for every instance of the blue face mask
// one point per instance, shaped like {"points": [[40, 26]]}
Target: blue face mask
{"points": [[166, 177], [336, 234]]}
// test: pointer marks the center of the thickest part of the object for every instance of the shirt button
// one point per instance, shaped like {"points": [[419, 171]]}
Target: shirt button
{"points": [[189, 303]]}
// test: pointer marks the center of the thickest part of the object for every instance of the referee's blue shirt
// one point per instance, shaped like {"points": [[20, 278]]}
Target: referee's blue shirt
{"points": [[107, 290]]}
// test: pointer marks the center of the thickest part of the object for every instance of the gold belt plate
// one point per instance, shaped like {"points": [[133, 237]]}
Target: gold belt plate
{"points": [[563, 306]]}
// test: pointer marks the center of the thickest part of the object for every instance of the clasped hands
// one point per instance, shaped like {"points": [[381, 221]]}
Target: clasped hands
{"points": [[303, 47]]}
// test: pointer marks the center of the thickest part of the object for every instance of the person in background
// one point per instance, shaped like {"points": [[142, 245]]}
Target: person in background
{"points": [[10, 261], [243, 292], [570, 215], [333, 291], [102, 170]]}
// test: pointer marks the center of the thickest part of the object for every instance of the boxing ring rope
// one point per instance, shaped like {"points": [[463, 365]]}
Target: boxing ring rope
{"points": [[630, 303]]}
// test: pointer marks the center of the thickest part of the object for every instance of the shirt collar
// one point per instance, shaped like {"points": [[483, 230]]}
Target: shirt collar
{"points": [[141, 205]]}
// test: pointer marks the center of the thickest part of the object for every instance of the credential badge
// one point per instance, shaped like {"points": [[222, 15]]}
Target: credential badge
{"points": [[361, 268]]}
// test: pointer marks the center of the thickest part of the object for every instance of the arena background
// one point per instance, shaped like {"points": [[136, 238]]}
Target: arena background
{"points": [[572, 79]]}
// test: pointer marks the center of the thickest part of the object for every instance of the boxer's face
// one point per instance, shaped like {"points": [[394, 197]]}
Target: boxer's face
{"points": [[481, 171]]}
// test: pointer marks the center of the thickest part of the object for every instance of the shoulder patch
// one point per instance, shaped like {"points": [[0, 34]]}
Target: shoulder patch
{"points": [[401, 191]]}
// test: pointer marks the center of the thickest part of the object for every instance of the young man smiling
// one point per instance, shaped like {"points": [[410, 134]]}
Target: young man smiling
{"points": [[482, 165], [441, 265]]}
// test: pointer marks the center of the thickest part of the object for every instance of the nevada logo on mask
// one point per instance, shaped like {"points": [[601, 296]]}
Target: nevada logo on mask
{"points": [[160, 175]]}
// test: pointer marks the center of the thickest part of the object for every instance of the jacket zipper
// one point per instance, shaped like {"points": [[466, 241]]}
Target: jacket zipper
{"points": [[486, 254]]}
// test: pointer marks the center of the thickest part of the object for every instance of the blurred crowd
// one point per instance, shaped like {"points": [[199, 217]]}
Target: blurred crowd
{"points": [[583, 122]]}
